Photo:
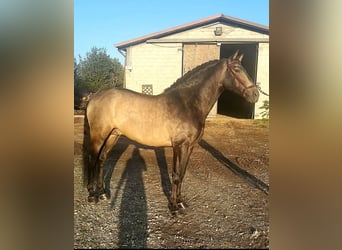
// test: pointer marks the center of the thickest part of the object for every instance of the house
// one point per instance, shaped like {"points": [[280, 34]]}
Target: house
{"points": [[154, 62]]}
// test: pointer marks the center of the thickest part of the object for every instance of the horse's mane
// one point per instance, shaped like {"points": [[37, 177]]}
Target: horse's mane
{"points": [[191, 77]]}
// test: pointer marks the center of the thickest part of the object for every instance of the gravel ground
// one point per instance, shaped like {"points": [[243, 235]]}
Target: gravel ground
{"points": [[225, 188]]}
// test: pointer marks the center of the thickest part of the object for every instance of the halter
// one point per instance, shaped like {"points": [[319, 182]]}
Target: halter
{"points": [[235, 77]]}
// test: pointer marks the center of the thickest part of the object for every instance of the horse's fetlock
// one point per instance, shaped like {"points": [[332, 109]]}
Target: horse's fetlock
{"points": [[175, 179]]}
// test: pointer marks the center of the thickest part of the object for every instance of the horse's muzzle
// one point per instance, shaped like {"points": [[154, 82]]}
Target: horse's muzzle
{"points": [[252, 95]]}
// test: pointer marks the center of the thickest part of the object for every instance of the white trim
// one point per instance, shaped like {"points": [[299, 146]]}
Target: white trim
{"points": [[213, 40]]}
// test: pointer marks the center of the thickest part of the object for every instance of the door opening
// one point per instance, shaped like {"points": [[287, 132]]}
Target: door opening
{"points": [[229, 103]]}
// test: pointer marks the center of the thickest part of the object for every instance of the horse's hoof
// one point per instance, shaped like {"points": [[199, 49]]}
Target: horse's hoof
{"points": [[177, 212], [103, 197], [178, 209], [172, 207], [91, 199]]}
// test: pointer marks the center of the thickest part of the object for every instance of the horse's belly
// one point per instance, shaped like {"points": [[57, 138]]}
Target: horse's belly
{"points": [[141, 119], [156, 137]]}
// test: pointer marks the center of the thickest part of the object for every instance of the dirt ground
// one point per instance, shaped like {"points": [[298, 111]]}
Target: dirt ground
{"points": [[225, 188]]}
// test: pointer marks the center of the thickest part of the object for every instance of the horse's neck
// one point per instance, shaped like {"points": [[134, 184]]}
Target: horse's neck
{"points": [[209, 94], [206, 94], [198, 97]]}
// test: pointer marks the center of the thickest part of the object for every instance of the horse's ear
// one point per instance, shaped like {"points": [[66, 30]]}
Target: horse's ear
{"points": [[240, 57], [235, 54]]}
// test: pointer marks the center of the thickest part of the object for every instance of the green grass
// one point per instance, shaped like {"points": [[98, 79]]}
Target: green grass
{"points": [[265, 123]]}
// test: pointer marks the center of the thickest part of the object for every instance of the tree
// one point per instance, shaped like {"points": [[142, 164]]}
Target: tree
{"points": [[80, 89], [98, 70], [266, 113], [77, 76]]}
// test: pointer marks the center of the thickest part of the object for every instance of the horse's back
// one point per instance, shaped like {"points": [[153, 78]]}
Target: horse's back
{"points": [[139, 117]]}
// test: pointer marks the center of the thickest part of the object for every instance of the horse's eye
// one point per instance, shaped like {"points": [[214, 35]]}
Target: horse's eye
{"points": [[237, 70]]}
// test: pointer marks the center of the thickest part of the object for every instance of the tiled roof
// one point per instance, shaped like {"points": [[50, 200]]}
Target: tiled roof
{"points": [[217, 18]]}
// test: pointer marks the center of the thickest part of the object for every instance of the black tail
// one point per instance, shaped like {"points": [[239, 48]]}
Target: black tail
{"points": [[86, 150]]}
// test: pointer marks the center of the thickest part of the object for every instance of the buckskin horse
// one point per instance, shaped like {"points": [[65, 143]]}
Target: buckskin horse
{"points": [[174, 118]]}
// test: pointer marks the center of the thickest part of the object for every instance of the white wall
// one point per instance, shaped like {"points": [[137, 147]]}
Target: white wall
{"points": [[156, 64], [262, 77]]}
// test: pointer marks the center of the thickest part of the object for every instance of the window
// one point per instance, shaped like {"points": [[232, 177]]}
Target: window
{"points": [[147, 89]]}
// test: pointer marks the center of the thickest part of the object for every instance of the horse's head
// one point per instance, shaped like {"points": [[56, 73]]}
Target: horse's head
{"points": [[238, 80]]}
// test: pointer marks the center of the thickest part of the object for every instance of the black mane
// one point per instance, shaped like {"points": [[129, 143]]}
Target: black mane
{"points": [[191, 78]]}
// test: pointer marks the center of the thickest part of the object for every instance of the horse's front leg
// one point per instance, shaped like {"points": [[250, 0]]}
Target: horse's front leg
{"points": [[184, 160], [181, 155], [175, 178]]}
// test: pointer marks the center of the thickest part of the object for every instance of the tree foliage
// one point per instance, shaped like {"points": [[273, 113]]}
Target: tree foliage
{"points": [[266, 107], [80, 89], [94, 72], [98, 70]]}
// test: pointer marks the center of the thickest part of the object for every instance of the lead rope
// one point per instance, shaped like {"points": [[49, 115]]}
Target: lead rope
{"points": [[260, 90]]}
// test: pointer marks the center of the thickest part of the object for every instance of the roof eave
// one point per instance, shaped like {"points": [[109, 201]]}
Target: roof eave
{"points": [[223, 18]]}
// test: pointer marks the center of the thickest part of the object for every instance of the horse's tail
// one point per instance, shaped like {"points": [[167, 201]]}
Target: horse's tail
{"points": [[86, 150]]}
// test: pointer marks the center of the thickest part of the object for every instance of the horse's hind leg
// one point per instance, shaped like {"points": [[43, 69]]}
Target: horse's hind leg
{"points": [[109, 144], [99, 148], [95, 147]]}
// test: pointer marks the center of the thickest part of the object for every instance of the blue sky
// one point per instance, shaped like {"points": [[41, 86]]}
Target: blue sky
{"points": [[103, 23]]}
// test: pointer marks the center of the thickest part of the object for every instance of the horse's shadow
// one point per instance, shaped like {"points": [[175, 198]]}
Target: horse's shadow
{"points": [[120, 148], [132, 225], [124, 142], [235, 168], [133, 207]]}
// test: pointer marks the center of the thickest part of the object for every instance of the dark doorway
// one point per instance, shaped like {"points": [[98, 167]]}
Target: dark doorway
{"points": [[229, 103]]}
